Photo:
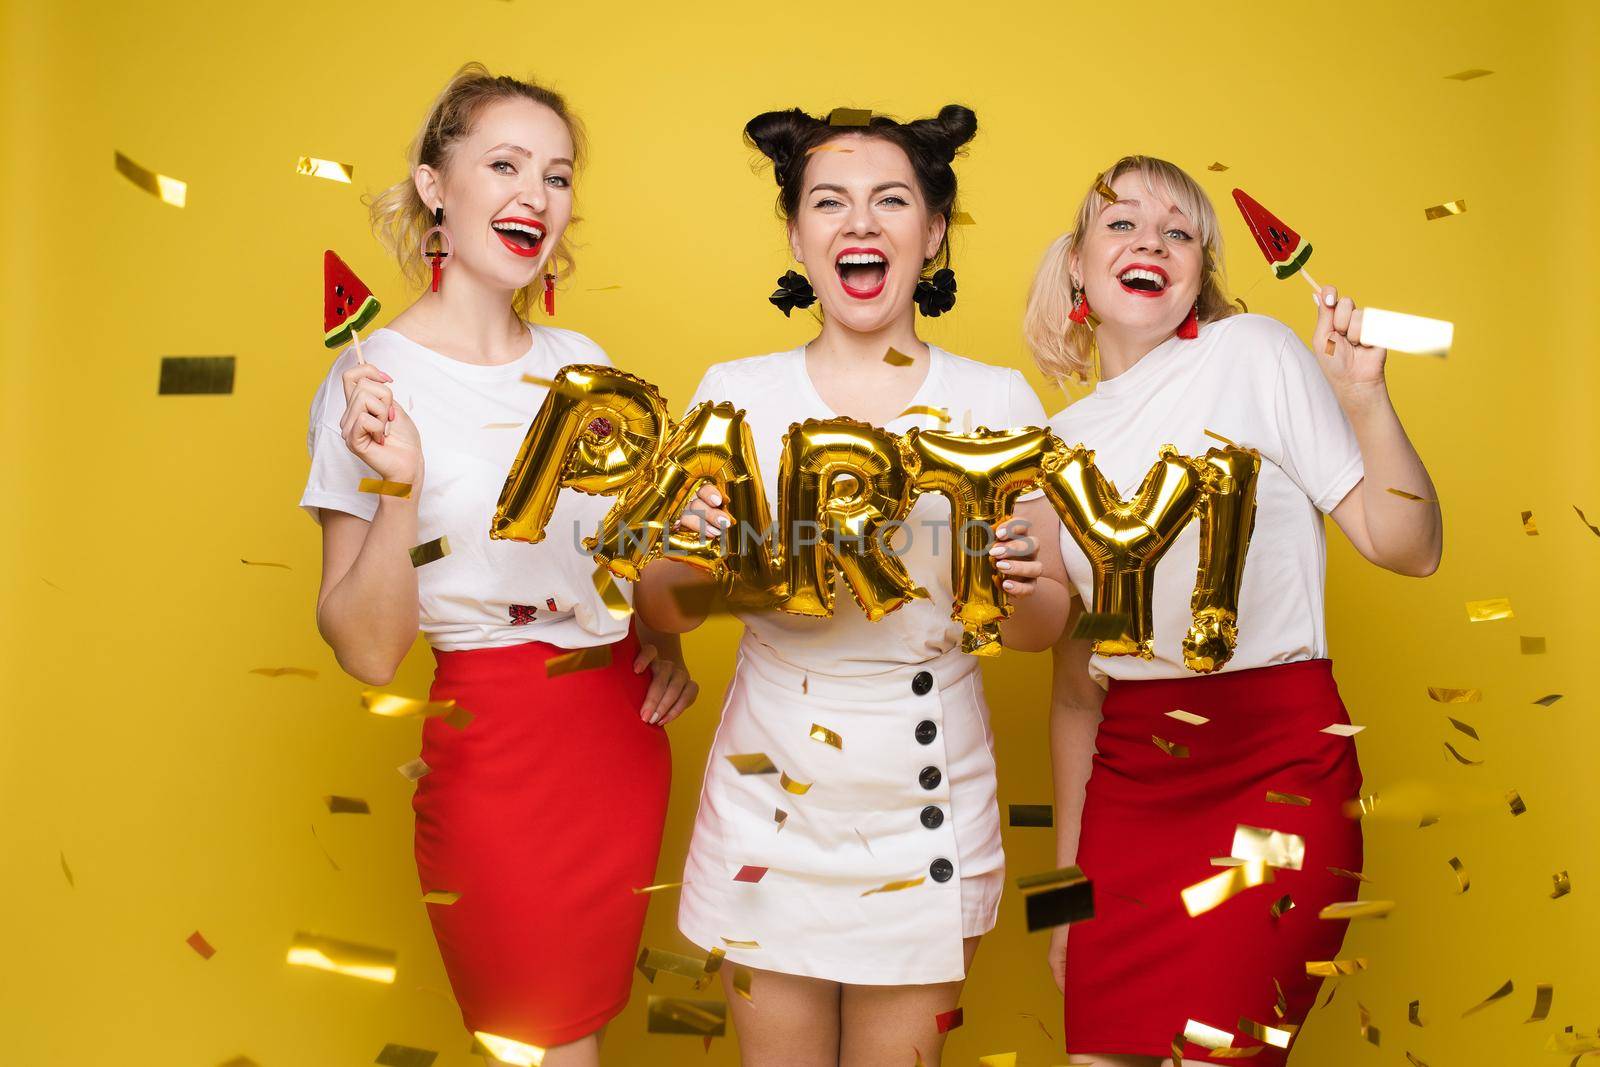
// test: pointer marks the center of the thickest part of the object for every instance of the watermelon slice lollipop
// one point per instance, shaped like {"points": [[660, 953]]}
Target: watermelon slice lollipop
{"points": [[1286, 253], [347, 304]]}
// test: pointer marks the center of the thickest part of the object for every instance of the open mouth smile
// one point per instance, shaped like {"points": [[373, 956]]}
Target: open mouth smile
{"points": [[863, 272], [1143, 279], [524, 237]]}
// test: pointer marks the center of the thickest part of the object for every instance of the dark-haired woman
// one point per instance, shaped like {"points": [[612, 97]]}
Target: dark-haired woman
{"points": [[858, 901], [545, 811]]}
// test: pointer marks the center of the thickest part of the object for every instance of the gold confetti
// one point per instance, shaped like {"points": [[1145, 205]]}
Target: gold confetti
{"points": [[799, 789], [325, 853], [445, 897], [826, 736], [1368, 1031], [1333, 987], [1543, 994], [1108, 194], [279, 672], [1464, 761], [1171, 748], [897, 359], [1528, 525], [195, 376], [742, 979], [1498, 994], [1532, 646], [594, 658], [610, 595], [394, 706], [1463, 880], [1414, 1061], [312, 167], [1445, 210], [1514, 802], [1571, 1040], [1207, 1037], [198, 942], [849, 116], [1402, 494], [652, 961], [1585, 520], [961, 218], [1366, 805], [1275, 797], [1281, 905], [405, 1056], [1331, 968], [342, 957], [506, 1050], [429, 551], [780, 817], [895, 887], [752, 763], [383, 488], [1218, 437], [830, 146], [1275, 848], [1272, 1035], [1281, 1008], [1455, 696], [1032, 815], [346, 805], [73, 882], [1562, 880], [167, 190], [1341, 730], [604, 289], [1056, 898], [1101, 626], [1427, 821], [1354, 876], [994, 1059], [678, 1015], [657, 888], [1187, 717], [1490, 610], [1464, 728], [940, 414], [735, 943], [1414, 1013], [534, 379], [1210, 892], [1468, 75], [413, 769], [1546, 701], [863, 839], [1218, 167], [264, 563], [1356, 909]]}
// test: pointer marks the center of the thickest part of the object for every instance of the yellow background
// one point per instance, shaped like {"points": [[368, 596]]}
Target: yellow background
{"points": [[183, 791]]}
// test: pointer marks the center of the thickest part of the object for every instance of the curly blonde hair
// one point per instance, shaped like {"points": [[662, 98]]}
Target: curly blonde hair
{"points": [[1064, 349], [400, 218]]}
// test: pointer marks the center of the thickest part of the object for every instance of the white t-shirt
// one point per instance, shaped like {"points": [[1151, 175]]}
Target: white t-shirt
{"points": [[776, 390], [1251, 380], [472, 419]]}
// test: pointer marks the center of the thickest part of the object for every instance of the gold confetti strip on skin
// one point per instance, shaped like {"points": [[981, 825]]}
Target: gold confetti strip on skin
{"points": [[1532, 646], [1585, 520], [342, 957], [1546, 701], [679, 1015], [1562, 880], [1543, 994], [799, 789], [895, 887], [1368, 1032], [279, 672], [1528, 525], [1445, 210], [1414, 1013], [1499, 994], [441, 896], [1101, 626], [610, 595], [167, 190], [1210, 892], [752, 763], [1464, 761], [1108, 194], [1455, 696], [346, 805], [1272, 1035], [198, 942], [507, 1050], [1356, 909], [1275, 848], [383, 488], [1490, 610], [897, 359], [1463, 880], [1282, 904], [1187, 717], [1514, 802], [413, 769], [1275, 797], [849, 116], [405, 1056], [1354, 876], [732, 942], [1464, 728], [394, 706], [742, 980], [430, 551], [264, 563], [584, 659], [1218, 437], [923, 409], [1467, 75], [1342, 730], [312, 167], [1171, 748], [826, 736], [1331, 968], [1218, 167], [1402, 494]]}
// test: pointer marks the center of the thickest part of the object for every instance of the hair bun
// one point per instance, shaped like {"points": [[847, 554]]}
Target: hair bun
{"points": [[945, 134], [778, 135]]}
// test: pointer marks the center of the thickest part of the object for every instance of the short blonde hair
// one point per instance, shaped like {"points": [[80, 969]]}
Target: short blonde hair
{"points": [[1064, 349], [400, 218]]}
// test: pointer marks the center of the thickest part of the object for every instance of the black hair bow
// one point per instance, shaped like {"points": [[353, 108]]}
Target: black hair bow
{"points": [[794, 291], [937, 295]]}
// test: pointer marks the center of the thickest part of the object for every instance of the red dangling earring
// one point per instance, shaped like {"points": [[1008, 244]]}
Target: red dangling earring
{"points": [[438, 255], [550, 295], [1080, 307], [1189, 328]]}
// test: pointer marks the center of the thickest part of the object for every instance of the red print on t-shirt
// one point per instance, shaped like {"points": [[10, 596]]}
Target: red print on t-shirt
{"points": [[522, 614]]}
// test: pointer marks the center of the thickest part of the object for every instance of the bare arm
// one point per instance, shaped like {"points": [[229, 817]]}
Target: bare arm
{"points": [[1035, 577], [668, 592]]}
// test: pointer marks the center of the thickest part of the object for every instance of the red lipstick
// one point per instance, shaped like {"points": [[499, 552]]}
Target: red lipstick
{"points": [[852, 291], [538, 236]]}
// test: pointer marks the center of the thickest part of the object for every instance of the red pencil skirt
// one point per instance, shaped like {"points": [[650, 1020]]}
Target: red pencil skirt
{"points": [[1142, 967], [544, 813]]}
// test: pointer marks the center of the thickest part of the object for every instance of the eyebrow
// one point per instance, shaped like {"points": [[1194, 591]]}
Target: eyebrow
{"points": [[1174, 209], [526, 154], [876, 188]]}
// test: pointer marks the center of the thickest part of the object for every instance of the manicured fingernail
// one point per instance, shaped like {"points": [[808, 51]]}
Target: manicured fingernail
{"points": [[997, 550], [716, 499], [1004, 564], [386, 376], [724, 522], [1328, 299]]}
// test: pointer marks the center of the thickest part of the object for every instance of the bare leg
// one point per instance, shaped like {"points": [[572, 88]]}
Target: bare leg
{"points": [[584, 1052], [891, 1025], [789, 1020]]}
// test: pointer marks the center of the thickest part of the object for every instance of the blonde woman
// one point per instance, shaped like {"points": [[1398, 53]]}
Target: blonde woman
{"points": [[1137, 282], [545, 810]]}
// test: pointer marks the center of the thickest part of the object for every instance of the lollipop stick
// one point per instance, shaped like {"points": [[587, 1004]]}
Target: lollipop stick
{"points": [[355, 342], [1311, 282]]}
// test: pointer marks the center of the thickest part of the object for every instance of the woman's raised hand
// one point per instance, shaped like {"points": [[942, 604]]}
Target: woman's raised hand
{"points": [[1351, 367], [378, 430], [1013, 553]]}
